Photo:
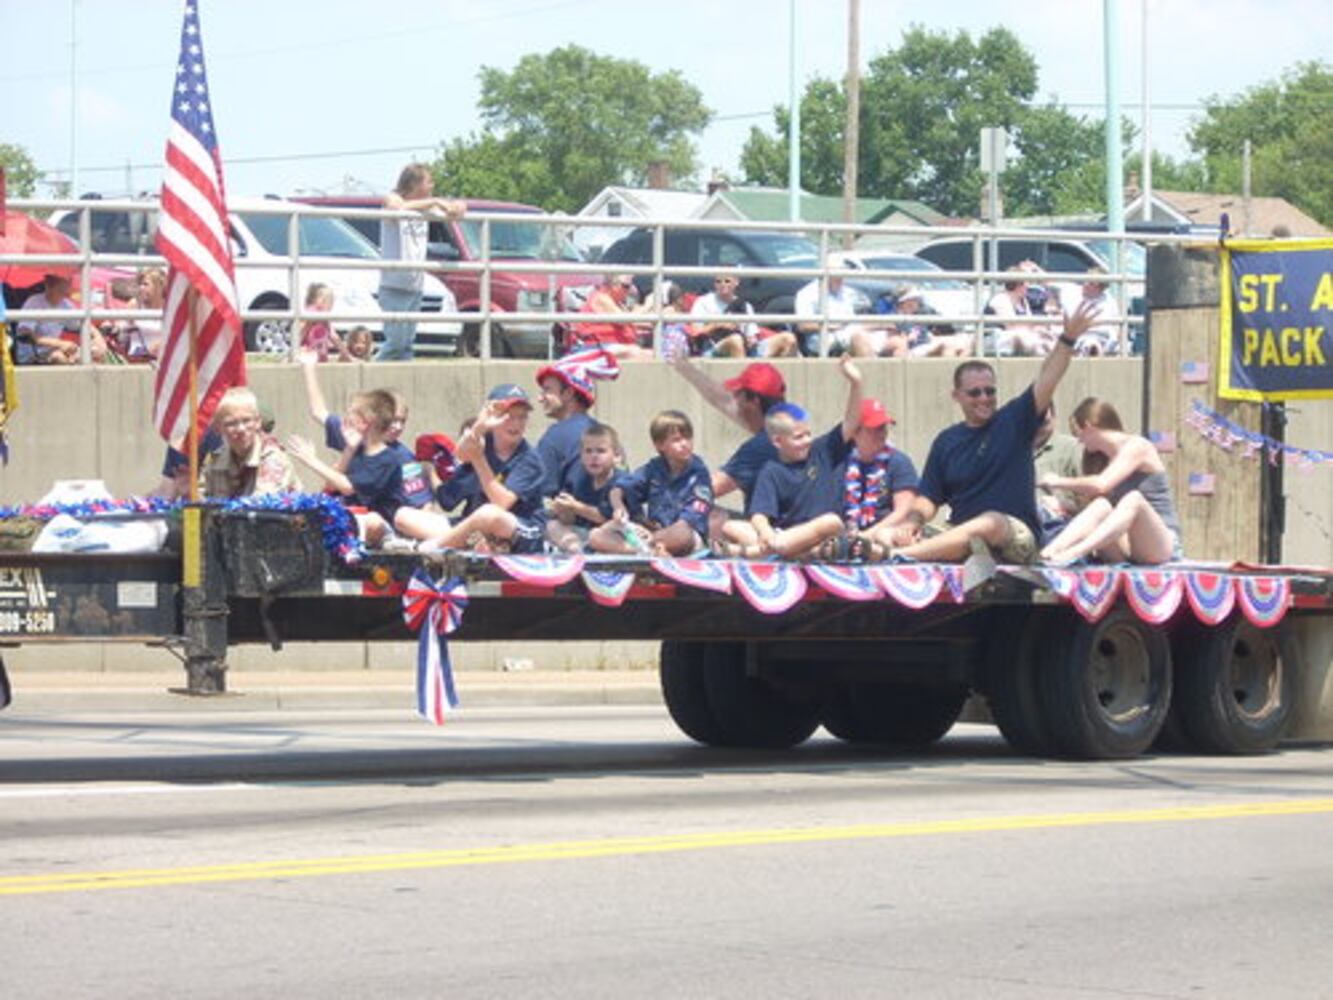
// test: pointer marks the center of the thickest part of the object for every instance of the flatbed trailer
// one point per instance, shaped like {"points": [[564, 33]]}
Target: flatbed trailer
{"points": [[1098, 662]]}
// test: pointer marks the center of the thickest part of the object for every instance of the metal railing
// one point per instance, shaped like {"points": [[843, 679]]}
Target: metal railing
{"points": [[489, 316]]}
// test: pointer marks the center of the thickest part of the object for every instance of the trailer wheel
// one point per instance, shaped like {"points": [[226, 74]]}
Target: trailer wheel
{"points": [[1235, 686], [1106, 686], [752, 711], [899, 714], [1011, 685], [681, 670]]}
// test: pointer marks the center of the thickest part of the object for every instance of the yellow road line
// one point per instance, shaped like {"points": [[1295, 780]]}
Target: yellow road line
{"points": [[22, 885]]}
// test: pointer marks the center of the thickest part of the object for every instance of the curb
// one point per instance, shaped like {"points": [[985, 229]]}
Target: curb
{"points": [[45, 693]]}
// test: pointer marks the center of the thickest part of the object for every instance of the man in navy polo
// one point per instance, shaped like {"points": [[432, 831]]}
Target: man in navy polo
{"points": [[982, 467]]}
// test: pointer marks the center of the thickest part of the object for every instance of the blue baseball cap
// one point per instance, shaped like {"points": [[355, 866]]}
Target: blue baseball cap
{"points": [[510, 395]]}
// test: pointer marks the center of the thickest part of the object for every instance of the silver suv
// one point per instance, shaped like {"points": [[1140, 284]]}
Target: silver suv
{"points": [[259, 230]]}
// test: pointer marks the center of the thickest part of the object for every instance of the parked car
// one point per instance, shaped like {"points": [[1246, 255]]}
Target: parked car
{"points": [[941, 294], [955, 253], [724, 248], [259, 233], [511, 239]]}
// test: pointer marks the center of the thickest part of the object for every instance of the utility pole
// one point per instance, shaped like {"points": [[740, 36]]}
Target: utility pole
{"points": [[1146, 213], [851, 149], [793, 126]]}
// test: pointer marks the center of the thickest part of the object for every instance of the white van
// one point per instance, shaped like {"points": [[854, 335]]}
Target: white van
{"points": [[259, 232]]}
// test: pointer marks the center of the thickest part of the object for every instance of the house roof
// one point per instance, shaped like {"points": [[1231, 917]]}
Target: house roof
{"points": [[773, 205], [648, 203], [1202, 209]]}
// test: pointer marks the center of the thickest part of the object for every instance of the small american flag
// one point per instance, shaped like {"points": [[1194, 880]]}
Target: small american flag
{"points": [[1194, 372], [1163, 441], [1202, 484], [193, 236]]}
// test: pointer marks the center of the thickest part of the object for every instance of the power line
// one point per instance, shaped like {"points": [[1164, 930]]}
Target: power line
{"points": [[362, 39]]}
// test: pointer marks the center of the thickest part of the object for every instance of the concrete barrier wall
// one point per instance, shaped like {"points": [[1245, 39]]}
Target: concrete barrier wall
{"points": [[95, 423]]}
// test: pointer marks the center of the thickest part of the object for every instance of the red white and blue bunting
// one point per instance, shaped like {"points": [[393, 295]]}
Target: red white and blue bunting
{"points": [[706, 574], [770, 587], [1263, 599], [1154, 595], [914, 585], [851, 583], [1095, 593], [1210, 595], [433, 610], [541, 571], [608, 589]]}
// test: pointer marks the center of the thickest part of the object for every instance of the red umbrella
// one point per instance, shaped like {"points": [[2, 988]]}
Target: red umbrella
{"points": [[25, 235]]}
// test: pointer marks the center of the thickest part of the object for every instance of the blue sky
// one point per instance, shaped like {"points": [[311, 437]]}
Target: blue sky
{"points": [[294, 80]]}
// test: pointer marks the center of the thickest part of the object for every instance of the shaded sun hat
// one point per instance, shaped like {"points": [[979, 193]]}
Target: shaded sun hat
{"points": [[874, 415]]}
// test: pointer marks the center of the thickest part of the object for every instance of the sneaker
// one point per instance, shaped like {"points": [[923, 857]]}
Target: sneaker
{"points": [[398, 544]]}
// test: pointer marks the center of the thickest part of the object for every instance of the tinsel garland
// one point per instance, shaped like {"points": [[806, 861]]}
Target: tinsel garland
{"points": [[337, 526]]}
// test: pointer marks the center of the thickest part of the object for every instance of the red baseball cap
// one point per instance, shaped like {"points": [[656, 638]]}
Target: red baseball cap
{"points": [[761, 378], [874, 415]]}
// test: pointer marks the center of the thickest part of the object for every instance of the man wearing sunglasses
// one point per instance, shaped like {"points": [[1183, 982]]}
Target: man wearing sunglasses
{"points": [[982, 466]]}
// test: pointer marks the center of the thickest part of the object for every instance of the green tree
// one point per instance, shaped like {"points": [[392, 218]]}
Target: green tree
{"points": [[1052, 146], [21, 174], [561, 126], [1288, 125], [923, 106]]}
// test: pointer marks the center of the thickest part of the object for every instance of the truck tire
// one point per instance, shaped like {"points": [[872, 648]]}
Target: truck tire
{"points": [[753, 711], [1105, 686], [681, 670], [898, 714], [1235, 686], [1010, 682]]}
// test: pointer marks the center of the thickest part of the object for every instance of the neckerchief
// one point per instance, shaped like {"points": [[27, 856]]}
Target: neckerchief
{"points": [[863, 487]]}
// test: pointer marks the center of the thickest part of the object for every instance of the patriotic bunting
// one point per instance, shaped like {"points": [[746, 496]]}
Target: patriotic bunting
{"points": [[851, 583], [607, 588], [769, 587], [541, 571], [913, 586], [701, 573], [1095, 593], [1211, 595], [1153, 594], [1263, 599]]}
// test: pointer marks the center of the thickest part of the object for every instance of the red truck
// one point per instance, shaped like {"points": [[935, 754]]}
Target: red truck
{"points": [[512, 239]]}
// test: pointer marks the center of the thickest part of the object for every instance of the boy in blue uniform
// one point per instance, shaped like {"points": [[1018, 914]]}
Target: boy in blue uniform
{"points": [[675, 491], [499, 482], [798, 498], [585, 501], [370, 472]]}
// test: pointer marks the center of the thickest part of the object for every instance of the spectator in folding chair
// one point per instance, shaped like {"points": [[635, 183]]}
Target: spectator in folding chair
{"points": [[620, 339]]}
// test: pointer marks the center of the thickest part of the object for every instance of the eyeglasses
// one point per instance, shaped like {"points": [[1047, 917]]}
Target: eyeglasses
{"points": [[623, 284], [977, 392]]}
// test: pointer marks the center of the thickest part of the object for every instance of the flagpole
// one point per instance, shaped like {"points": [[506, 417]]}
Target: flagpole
{"points": [[192, 543], [192, 435]]}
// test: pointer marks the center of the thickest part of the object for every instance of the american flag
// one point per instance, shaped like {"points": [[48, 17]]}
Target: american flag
{"points": [[193, 236]]}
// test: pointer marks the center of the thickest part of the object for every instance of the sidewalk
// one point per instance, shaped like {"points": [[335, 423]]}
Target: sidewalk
{"points": [[45, 691]]}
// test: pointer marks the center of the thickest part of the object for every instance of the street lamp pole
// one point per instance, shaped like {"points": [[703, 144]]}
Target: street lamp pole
{"points": [[793, 127]]}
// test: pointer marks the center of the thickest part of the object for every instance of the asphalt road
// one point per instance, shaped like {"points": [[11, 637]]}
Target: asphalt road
{"points": [[591, 853]]}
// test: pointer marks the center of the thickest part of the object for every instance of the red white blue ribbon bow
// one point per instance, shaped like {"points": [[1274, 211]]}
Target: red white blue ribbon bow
{"points": [[433, 609]]}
